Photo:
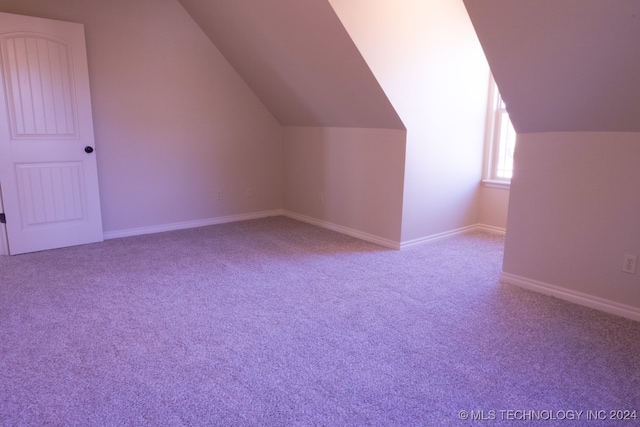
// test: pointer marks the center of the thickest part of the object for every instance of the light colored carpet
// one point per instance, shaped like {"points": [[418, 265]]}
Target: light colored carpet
{"points": [[276, 322]]}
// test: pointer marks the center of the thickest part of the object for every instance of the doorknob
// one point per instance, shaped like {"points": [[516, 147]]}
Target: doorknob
{"points": [[88, 149]]}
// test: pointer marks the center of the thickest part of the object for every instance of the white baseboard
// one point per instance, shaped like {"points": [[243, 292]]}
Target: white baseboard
{"points": [[438, 236], [189, 224], [576, 297], [304, 218], [344, 230], [390, 243], [456, 232], [491, 229]]}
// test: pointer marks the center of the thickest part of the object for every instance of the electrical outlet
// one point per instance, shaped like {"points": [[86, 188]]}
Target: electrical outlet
{"points": [[219, 195], [249, 191], [629, 264]]}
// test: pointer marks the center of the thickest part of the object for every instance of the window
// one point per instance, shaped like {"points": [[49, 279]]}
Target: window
{"points": [[501, 141]]}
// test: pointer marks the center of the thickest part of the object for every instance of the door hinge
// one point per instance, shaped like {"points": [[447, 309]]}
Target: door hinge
{"points": [[3, 219]]}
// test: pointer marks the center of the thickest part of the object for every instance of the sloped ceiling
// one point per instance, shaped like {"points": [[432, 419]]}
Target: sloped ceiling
{"points": [[564, 65], [298, 59]]}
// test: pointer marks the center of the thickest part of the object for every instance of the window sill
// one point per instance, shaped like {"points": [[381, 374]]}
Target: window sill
{"points": [[496, 183]]}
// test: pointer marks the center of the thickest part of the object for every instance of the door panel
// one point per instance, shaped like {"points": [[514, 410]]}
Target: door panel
{"points": [[51, 193], [39, 86], [49, 182]]}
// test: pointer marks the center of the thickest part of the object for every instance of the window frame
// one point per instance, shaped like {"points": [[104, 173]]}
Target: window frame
{"points": [[495, 113]]}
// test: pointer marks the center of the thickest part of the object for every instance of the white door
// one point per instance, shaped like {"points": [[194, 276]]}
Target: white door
{"points": [[47, 160]]}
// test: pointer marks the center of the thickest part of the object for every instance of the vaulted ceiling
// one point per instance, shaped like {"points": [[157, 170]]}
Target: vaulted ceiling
{"points": [[298, 59], [564, 65]]}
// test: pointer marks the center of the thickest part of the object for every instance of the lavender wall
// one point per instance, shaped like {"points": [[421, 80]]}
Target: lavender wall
{"points": [[565, 65], [299, 59], [573, 214], [431, 66], [174, 123], [347, 179], [493, 207]]}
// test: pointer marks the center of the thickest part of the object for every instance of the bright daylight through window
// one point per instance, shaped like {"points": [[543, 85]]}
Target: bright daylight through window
{"points": [[501, 141]]}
